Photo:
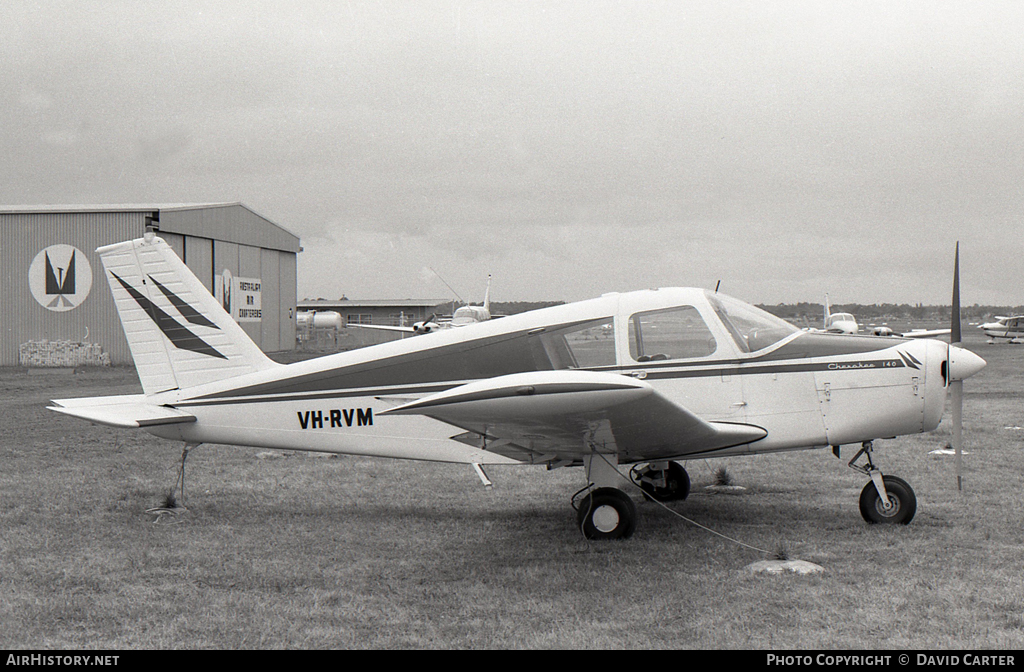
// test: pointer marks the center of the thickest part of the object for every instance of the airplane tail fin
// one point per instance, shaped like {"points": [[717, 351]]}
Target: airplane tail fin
{"points": [[179, 334], [487, 295], [828, 311]]}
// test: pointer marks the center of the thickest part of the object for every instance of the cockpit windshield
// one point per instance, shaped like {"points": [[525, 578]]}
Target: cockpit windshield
{"points": [[753, 329]]}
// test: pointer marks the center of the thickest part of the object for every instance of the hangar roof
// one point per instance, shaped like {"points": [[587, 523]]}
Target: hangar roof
{"points": [[107, 207], [230, 222]]}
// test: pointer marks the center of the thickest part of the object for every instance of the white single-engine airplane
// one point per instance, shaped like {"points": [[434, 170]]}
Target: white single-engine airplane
{"points": [[1010, 328], [463, 316], [682, 374], [839, 323]]}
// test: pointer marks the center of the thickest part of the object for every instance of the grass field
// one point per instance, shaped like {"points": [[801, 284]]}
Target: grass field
{"points": [[294, 550]]}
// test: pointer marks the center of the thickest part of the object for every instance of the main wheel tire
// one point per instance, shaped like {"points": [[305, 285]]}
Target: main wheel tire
{"points": [[677, 485], [900, 494], [606, 513]]}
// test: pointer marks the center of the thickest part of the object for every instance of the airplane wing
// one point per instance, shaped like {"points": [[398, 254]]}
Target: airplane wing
{"points": [[925, 333], [558, 415], [130, 410], [384, 327]]}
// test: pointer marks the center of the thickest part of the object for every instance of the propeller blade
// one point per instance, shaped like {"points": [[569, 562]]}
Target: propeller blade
{"points": [[957, 393], [954, 313], [956, 386]]}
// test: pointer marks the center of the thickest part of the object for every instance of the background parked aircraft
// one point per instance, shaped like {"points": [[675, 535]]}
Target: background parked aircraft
{"points": [[463, 316], [1010, 328], [839, 323]]}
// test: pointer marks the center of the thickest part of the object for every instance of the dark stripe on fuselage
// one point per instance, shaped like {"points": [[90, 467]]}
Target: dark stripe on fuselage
{"points": [[435, 369], [650, 373], [812, 344], [748, 370], [326, 394], [525, 351], [487, 357]]}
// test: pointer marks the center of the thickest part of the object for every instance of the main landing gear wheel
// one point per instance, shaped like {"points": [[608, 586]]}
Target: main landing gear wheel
{"points": [[606, 513], [672, 484], [902, 502]]}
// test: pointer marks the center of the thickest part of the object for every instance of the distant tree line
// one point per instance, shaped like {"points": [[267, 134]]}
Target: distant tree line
{"points": [[504, 307], [516, 307], [813, 313], [804, 312]]}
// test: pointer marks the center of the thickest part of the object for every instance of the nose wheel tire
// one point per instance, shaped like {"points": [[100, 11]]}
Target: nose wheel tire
{"points": [[606, 513], [901, 507]]}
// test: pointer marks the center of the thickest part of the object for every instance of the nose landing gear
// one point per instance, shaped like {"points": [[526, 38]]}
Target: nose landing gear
{"points": [[886, 499]]}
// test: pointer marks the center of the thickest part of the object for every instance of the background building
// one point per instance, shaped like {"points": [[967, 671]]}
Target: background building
{"points": [[54, 288]]}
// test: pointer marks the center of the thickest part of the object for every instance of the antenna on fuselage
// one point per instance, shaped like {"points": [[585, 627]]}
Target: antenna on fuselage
{"points": [[717, 285]]}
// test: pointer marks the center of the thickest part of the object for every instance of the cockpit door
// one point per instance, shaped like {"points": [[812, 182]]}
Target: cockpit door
{"points": [[674, 350]]}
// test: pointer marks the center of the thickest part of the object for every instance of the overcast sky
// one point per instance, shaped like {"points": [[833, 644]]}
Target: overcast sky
{"points": [[569, 149]]}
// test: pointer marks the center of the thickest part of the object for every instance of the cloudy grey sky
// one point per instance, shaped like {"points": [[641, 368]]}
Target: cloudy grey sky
{"points": [[567, 148]]}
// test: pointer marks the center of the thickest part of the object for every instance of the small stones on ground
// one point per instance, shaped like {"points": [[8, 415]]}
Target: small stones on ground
{"points": [[726, 489], [782, 566]]}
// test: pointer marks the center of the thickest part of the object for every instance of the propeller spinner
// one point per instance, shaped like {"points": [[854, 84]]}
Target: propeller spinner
{"points": [[426, 326]]}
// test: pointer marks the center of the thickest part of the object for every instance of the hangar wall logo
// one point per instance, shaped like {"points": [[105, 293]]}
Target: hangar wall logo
{"points": [[242, 298], [60, 278]]}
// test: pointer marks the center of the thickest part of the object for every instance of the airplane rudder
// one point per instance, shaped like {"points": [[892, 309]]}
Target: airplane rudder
{"points": [[175, 328]]}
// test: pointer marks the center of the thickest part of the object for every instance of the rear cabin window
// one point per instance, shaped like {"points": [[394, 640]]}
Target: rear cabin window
{"points": [[674, 333], [581, 346]]}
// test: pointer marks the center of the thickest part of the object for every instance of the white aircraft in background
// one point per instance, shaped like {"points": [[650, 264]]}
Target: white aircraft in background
{"points": [[682, 374], [463, 316], [472, 314], [1010, 328], [839, 323]]}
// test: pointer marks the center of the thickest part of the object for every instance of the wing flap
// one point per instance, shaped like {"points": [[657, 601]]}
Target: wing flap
{"points": [[567, 413], [121, 411]]}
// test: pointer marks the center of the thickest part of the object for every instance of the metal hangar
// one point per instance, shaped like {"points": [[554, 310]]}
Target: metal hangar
{"points": [[54, 291]]}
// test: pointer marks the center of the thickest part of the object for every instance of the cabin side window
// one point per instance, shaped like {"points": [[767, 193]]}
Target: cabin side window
{"points": [[581, 346], [674, 333]]}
